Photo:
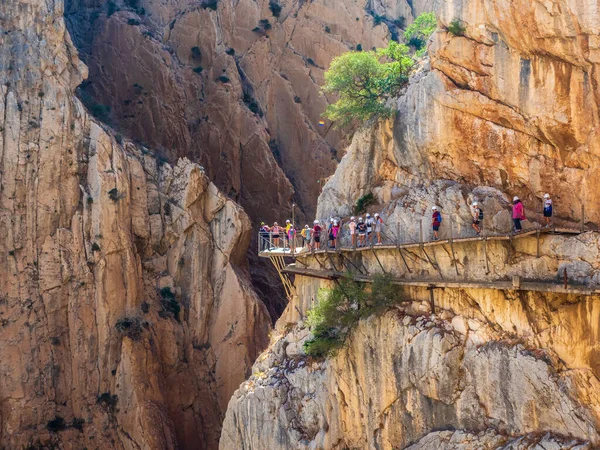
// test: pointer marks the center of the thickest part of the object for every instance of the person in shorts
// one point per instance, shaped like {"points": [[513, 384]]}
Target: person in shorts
{"points": [[378, 227], [436, 221], [316, 234], [547, 210], [370, 225], [306, 232], [362, 232], [352, 228], [276, 230]]}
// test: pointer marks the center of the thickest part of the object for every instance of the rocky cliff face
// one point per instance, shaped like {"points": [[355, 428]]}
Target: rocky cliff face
{"points": [[510, 104], [509, 370], [507, 105], [127, 318]]}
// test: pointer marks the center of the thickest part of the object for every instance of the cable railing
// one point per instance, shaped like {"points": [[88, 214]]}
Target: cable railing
{"points": [[419, 231]]}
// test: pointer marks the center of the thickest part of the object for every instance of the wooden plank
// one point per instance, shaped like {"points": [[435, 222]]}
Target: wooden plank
{"points": [[540, 286]]}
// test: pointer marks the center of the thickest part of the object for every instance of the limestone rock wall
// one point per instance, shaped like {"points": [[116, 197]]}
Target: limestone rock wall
{"points": [[127, 318], [510, 104], [406, 374]]}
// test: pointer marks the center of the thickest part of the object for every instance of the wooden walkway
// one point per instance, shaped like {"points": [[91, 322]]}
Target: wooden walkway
{"points": [[285, 271], [501, 285], [501, 237]]}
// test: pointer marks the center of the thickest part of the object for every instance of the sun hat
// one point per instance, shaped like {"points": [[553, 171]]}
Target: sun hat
{"points": [[433, 208], [316, 221], [515, 198]]}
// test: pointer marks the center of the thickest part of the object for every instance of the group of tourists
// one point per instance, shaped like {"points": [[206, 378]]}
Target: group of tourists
{"points": [[518, 216], [368, 231], [362, 233]]}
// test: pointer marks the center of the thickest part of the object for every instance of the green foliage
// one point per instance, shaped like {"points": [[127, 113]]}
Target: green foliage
{"points": [[111, 8], [95, 247], [113, 194], [198, 69], [363, 203], [359, 48], [196, 52], [108, 401], [327, 29], [78, 424], [133, 22], [223, 79], [57, 424], [211, 4], [131, 327], [101, 112], [365, 81], [457, 28], [275, 8], [338, 311], [169, 303], [420, 30], [230, 51]]}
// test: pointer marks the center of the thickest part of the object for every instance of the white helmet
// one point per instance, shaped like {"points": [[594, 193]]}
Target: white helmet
{"points": [[316, 222], [352, 218], [368, 215], [287, 221], [475, 203], [434, 208], [376, 214], [515, 198], [360, 219], [546, 195], [335, 222]]}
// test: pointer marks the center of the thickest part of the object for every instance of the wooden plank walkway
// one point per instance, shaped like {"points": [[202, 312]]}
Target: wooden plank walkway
{"points": [[501, 237], [533, 286]]}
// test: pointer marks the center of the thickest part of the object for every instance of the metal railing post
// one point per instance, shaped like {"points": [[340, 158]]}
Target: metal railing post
{"points": [[270, 240], [421, 232], [582, 218]]}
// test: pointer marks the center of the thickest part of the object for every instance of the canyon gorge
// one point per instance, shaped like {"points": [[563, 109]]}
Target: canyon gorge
{"points": [[143, 141]]}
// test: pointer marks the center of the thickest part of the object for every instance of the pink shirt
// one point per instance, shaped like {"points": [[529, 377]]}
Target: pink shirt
{"points": [[518, 211]]}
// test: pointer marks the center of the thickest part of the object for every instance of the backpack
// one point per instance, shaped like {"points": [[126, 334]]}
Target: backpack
{"points": [[480, 214], [439, 216]]}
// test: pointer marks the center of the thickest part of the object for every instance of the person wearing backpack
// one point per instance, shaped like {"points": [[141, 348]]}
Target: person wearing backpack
{"points": [[477, 213], [436, 221], [316, 234]]}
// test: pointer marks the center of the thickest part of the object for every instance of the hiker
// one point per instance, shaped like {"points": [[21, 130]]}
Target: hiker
{"points": [[477, 213], [330, 233], [335, 230], [316, 234], [378, 227], [264, 236], [276, 230], [306, 232], [291, 235], [352, 228], [547, 210], [518, 214], [370, 222], [436, 221], [362, 232], [288, 225]]}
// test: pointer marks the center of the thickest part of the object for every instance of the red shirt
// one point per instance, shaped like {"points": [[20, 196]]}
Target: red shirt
{"points": [[436, 219]]}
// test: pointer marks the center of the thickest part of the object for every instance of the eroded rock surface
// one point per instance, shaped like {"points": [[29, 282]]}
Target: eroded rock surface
{"points": [[511, 104], [127, 318]]}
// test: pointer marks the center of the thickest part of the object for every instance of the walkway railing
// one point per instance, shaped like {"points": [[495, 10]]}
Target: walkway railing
{"points": [[454, 227]]}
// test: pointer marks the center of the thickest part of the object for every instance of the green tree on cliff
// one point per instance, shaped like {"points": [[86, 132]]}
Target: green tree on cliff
{"points": [[365, 81], [418, 32]]}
